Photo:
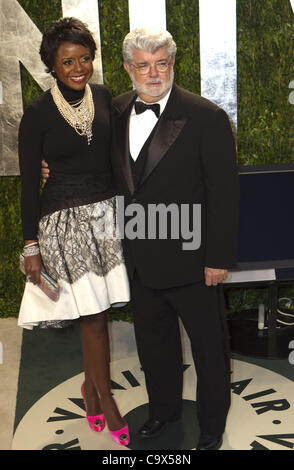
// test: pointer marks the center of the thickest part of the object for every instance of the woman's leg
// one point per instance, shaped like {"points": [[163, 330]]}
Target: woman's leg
{"points": [[95, 345]]}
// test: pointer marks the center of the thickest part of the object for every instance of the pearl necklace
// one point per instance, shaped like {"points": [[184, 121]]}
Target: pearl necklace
{"points": [[79, 117]]}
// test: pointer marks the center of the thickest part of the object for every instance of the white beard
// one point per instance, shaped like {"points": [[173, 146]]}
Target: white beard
{"points": [[162, 91]]}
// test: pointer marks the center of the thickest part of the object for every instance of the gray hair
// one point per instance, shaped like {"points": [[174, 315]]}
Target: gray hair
{"points": [[147, 40]]}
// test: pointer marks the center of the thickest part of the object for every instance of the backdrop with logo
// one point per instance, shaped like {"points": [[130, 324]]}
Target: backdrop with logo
{"points": [[238, 53]]}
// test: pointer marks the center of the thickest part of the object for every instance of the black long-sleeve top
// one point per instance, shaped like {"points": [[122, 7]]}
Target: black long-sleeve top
{"points": [[44, 133]]}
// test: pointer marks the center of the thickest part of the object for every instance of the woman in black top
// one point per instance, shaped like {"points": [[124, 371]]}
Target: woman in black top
{"points": [[70, 229]]}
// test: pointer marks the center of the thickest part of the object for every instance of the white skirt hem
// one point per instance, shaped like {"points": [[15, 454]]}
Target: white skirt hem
{"points": [[90, 295]]}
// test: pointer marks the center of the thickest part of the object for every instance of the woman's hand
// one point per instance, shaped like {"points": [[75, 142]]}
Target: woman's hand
{"points": [[33, 262], [45, 171], [33, 268]]}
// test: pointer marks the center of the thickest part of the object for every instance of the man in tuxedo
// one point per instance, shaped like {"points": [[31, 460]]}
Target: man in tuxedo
{"points": [[179, 152]]}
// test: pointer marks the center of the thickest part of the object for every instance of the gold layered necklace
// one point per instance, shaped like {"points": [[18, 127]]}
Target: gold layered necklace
{"points": [[80, 116]]}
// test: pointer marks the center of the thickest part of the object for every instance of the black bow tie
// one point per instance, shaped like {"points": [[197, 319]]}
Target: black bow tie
{"points": [[141, 107]]}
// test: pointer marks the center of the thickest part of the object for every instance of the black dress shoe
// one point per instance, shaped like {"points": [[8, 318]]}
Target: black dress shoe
{"points": [[151, 428], [210, 443]]}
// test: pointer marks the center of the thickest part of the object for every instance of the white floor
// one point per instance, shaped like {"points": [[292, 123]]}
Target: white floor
{"points": [[122, 342], [10, 348], [253, 420]]}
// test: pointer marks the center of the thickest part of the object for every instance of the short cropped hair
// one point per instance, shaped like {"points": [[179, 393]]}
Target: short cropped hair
{"points": [[65, 30], [147, 40]]}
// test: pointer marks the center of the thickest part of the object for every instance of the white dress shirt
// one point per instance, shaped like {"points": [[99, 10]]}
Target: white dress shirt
{"points": [[141, 125]]}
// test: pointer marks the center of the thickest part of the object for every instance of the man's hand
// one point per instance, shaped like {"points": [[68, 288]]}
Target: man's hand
{"points": [[214, 276], [45, 171]]}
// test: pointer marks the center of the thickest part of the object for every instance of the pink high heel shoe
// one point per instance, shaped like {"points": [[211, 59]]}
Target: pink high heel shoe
{"points": [[97, 423], [122, 435]]}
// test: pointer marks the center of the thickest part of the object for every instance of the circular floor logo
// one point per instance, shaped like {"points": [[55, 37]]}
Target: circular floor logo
{"points": [[261, 414]]}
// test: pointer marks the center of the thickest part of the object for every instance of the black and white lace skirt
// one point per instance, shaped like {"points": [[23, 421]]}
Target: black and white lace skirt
{"points": [[80, 249]]}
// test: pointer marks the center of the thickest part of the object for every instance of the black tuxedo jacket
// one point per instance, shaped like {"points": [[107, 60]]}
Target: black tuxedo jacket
{"points": [[190, 159]]}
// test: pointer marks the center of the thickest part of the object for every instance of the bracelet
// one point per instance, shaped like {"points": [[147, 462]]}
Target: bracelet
{"points": [[31, 244], [31, 251]]}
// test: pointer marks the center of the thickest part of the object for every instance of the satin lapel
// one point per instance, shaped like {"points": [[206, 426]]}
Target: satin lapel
{"points": [[168, 129], [122, 145]]}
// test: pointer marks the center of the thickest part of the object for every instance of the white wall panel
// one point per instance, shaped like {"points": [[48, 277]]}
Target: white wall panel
{"points": [[218, 53], [147, 13]]}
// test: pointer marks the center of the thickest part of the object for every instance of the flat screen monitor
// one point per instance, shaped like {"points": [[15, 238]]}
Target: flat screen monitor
{"points": [[266, 224]]}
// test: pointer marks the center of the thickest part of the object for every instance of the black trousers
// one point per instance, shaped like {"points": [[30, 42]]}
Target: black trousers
{"points": [[156, 324]]}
